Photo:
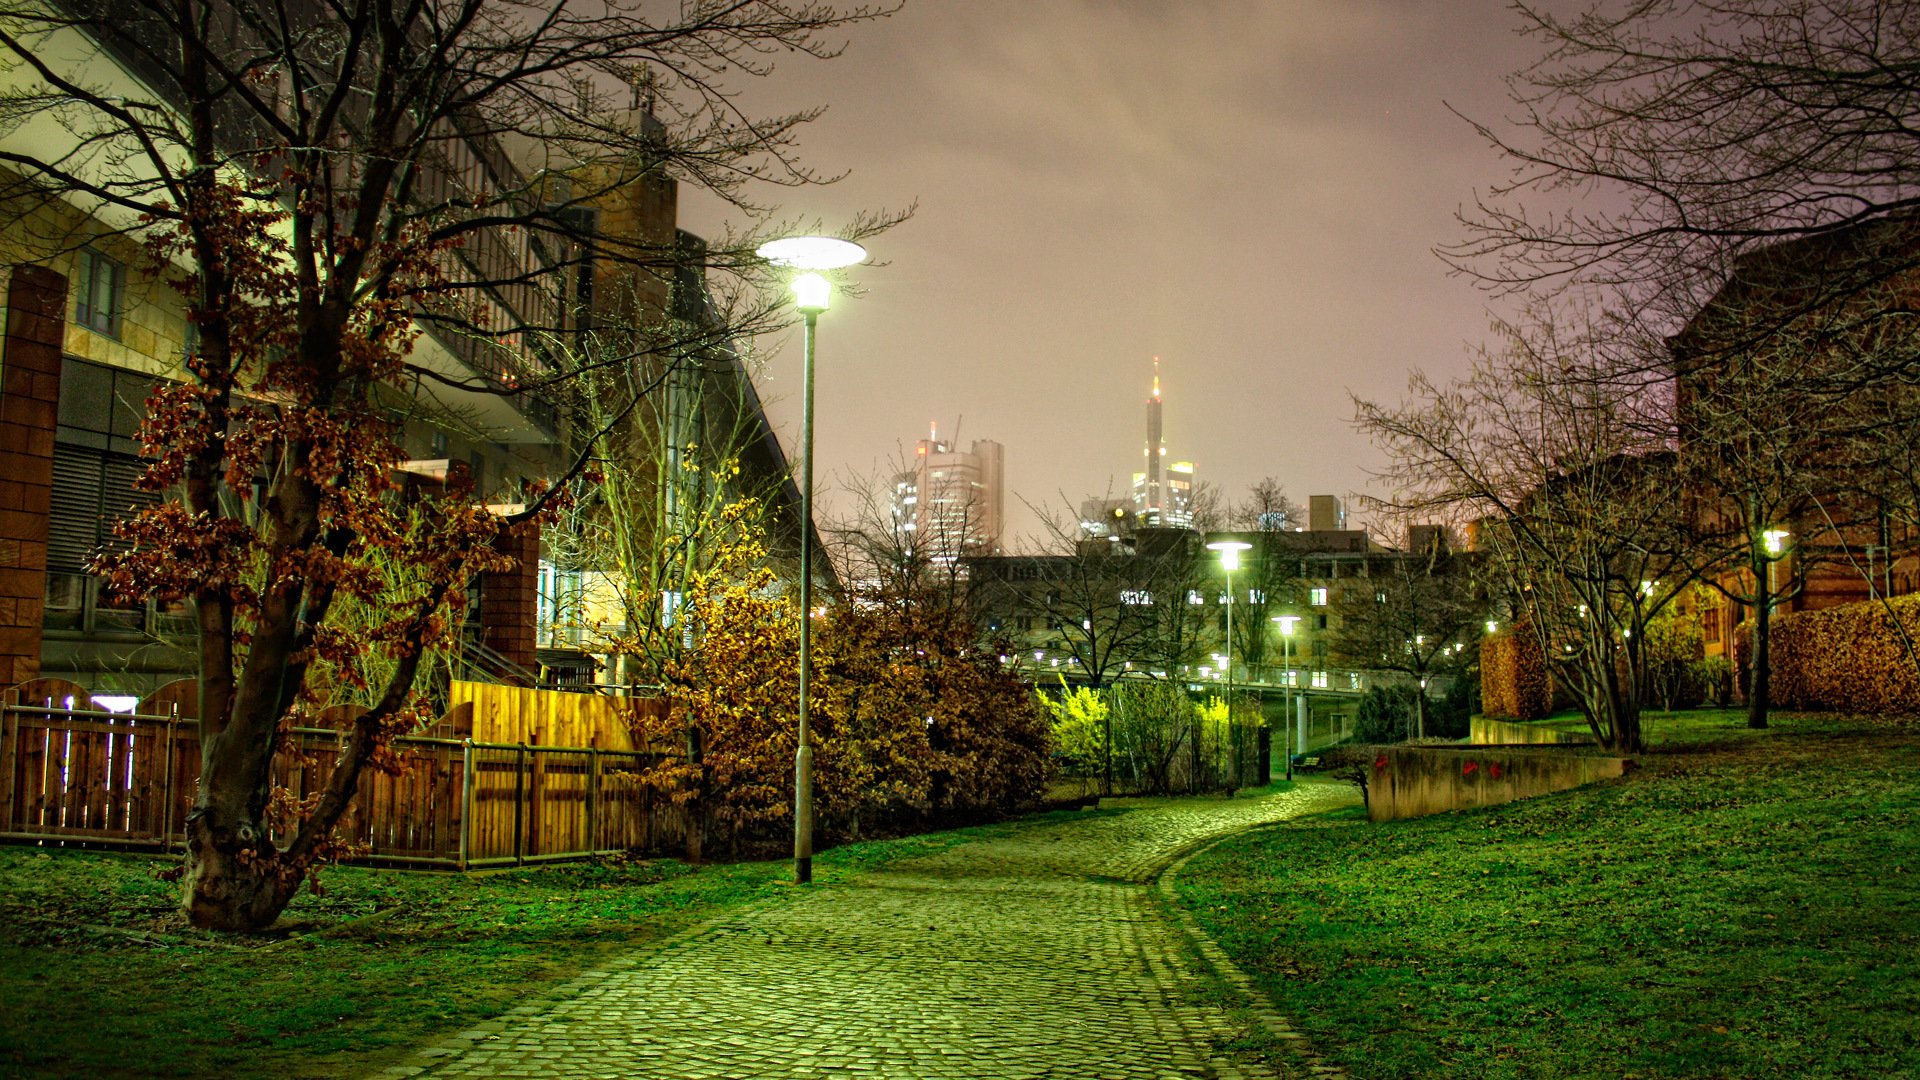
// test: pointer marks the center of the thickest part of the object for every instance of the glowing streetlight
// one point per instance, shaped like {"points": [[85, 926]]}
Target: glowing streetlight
{"points": [[1229, 552], [811, 294], [1286, 657]]}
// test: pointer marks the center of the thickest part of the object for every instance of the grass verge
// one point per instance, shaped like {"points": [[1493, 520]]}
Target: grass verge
{"points": [[1747, 903], [100, 977]]}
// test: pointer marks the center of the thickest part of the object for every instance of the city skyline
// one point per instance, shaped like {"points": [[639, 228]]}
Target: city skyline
{"points": [[1250, 191]]}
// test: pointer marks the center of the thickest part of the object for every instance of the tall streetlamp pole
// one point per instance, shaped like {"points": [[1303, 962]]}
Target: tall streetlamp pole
{"points": [[1229, 551], [811, 294], [1286, 655]]}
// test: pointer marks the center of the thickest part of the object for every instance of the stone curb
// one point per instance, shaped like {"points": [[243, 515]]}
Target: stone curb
{"points": [[1257, 1003]]}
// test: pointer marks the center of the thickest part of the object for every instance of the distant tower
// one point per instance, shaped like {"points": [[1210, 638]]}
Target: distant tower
{"points": [[1149, 487], [1163, 494]]}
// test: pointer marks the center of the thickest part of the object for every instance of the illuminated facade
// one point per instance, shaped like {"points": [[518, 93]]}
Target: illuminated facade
{"points": [[952, 503]]}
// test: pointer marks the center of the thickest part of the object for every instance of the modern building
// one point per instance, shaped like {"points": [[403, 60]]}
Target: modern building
{"points": [[951, 505], [1163, 491]]}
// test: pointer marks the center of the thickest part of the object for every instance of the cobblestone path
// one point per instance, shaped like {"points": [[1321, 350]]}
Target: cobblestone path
{"points": [[1038, 953]]}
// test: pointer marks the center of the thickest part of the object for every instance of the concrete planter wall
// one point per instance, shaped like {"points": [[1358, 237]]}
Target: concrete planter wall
{"points": [[1405, 782], [1485, 732]]}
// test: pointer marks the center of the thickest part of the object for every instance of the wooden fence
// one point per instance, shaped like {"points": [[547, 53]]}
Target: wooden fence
{"points": [[76, 774]]}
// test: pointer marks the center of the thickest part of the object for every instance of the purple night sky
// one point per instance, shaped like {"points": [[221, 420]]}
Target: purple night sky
{"points": [[1249, 189]]}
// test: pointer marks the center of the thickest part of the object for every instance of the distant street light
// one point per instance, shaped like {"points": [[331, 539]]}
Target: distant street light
{"points": [[1229, 552], [1286, 655], [811, 294]]}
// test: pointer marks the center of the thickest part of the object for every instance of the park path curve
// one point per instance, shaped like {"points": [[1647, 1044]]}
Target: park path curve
{"points": [[1038, 952]]}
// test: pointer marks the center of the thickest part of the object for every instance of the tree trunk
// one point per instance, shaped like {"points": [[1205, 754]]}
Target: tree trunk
{"points": [[1759, 679], [229, 886]]}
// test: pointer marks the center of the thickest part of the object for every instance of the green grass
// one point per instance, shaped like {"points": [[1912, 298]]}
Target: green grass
{"points": [[100, 977], [1747, 903]]}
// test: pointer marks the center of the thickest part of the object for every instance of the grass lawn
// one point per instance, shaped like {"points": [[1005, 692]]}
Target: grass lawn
{"points": [[100, 976], [1745, 904]]}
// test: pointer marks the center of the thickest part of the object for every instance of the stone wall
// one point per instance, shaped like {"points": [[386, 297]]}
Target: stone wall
{"points": [[1404, 782]]}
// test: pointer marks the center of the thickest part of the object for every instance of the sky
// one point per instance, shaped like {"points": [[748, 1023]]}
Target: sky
{"points": [[1249, 189]]}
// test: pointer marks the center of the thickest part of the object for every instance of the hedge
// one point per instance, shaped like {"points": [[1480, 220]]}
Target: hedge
{"points": [[1513, 677], [1848, 658]]}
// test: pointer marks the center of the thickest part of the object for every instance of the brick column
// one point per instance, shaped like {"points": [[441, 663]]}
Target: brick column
{"points": [[510, 599], [29, 407]]}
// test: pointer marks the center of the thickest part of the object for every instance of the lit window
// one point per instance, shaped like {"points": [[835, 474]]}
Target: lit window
{"points": [[1317, 597], [99, 292], [1320, 679]]}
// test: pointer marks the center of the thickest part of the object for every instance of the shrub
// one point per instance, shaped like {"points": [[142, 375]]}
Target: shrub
{"points": [[1385, 714], [1513, 676], [913, 721], [1078, 718], [1675, 649], [1152, 721], [1851, 658], [1714, 674], [1451, 716]]}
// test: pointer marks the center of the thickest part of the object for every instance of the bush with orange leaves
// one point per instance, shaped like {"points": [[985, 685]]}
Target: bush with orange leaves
{"points": [[913, 721]]}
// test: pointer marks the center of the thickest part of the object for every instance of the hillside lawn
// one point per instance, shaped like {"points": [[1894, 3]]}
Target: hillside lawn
{"points": [[1743, 904]]}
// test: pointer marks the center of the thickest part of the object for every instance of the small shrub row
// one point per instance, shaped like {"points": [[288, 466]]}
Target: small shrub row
{"points": [[1852, 658]]}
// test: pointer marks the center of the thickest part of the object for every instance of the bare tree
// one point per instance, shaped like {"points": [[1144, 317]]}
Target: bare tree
{"points": [[1420, 615], [1557, 448]]}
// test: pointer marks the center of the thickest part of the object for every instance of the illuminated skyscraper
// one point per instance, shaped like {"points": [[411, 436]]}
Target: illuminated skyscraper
{"points": [[951, 504], [1163, 494]]}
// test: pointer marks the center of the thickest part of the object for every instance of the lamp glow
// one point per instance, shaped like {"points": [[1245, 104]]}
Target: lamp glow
{"points": [[812, 252], [811, 293], [1775, 540], [1229, 552]]}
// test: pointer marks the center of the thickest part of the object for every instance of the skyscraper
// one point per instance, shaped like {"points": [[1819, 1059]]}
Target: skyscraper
{"points": [[951, 504], [1163, 494]]}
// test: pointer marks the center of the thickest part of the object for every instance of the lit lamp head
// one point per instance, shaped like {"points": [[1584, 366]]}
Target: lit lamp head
{"points": [[1286, 624], [811, 293], [811, 253], [1775, 541], [1229, 552]]}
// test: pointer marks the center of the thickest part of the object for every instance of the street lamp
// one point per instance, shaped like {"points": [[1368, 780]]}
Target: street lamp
{"points": [[1286, 657], [811, 294], [1229, 552]]}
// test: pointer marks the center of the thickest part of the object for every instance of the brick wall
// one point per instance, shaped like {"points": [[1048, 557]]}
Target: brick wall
{"points": [[29, 407], [509, 599]]}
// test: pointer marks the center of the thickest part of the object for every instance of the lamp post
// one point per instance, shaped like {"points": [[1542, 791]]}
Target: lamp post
{"points": [[811, 294], [1229, 552], [1286, 658]]}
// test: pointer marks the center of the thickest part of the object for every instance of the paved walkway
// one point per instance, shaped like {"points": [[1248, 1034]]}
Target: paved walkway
{"points": [[1042, 953]]}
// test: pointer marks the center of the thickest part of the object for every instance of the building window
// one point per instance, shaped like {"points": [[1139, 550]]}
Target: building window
{"points": [[1320, 679], [1317, 597], [100, 292]]}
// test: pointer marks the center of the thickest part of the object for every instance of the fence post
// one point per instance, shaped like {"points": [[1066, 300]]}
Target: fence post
{"points": [[519, 801], [166, 783], [593, 795], [9, 738], [466, 798]]}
